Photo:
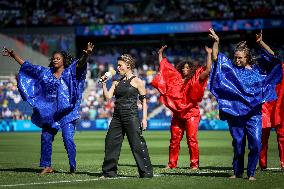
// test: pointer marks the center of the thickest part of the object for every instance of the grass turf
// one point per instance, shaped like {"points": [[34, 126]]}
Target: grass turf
{"points": [[20, 153]]}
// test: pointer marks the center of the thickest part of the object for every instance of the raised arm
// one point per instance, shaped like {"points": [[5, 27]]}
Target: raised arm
{"points": [[215, 37], [86, 54], [12, 54], [160, 52], [262, 44], [108, 94], [142, 98], [207, 70]]}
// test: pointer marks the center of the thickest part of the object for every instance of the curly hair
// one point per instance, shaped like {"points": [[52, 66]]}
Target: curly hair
{"points": [[128, 59], [192, 69], [243, 47], [67, 58]]}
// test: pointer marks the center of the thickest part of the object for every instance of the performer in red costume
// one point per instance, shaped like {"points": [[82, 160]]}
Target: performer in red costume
{"points": [[271, 119], [181, 89]]}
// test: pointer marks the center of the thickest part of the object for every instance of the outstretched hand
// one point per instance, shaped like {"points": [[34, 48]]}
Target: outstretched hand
{"points": [[260, 42], [12, 54], [161, 50], [213, 35], [86, 54], [208, 50], [89, 49], [8, 52], [259, 37]]}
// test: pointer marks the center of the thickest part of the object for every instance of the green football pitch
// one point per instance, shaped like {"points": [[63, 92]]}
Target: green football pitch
{"points": [[20, 153]]}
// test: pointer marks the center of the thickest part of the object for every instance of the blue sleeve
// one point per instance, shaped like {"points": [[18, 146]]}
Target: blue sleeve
{"points": [[271, 65], [78, 75], [268, 61], [221, 75], [28, 79]]}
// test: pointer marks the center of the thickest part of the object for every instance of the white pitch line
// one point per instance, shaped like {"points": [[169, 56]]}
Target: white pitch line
{"points": [[273, 168], [60, 181], [96, 179], [66, 181]]}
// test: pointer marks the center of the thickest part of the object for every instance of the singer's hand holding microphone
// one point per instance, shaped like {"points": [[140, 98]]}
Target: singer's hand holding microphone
{"points": [[107, 76]]}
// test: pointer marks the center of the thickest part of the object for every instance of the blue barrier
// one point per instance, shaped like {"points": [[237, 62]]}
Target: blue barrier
{"points": [[7, 125], [87, 125], [10, 125], [26, 125], [214, 124], [159, 124]]}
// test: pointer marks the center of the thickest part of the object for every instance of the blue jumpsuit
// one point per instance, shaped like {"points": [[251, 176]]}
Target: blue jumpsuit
{"points": [[55, 103], [240, 93]]}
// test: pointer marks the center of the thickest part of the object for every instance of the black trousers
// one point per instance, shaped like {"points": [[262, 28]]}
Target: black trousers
{"points": [[125, 121]]}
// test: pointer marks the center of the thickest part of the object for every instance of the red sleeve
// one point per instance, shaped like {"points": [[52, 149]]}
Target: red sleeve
{"points": [[195, 90], [168, 80]]}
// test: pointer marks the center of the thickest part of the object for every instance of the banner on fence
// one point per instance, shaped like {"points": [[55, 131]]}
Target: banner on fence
{"points": [[10, 125]]}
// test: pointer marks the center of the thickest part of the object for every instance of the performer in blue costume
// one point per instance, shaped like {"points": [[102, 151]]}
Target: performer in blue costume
{"points": [[241, 87], [55, 94]]}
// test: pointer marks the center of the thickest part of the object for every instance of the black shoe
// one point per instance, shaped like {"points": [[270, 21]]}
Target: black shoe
{"points": [[108, 176], [146, 175]]}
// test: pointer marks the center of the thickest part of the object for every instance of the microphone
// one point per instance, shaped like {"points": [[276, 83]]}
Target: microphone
{"points": [[107, 76]]}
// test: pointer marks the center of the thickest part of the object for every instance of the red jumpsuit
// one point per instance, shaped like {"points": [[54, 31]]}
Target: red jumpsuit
{"points": [[272, 117], [182, 99]]}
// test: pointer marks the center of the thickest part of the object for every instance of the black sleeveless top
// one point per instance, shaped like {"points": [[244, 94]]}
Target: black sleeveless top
{"points": [[126, 95]]}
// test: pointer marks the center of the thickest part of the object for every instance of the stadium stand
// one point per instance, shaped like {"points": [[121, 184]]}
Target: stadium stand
{"points": [[40, 15]]}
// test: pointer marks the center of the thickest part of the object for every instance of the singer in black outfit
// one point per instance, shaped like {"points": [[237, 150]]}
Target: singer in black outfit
{"points": [[125, 120]]}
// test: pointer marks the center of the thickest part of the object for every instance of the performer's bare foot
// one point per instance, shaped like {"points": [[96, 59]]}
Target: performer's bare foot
{"points": [[235, 176], [73, 172], [168, 167], [46, 170], [252, 178], [194, 168], [282, 166]]}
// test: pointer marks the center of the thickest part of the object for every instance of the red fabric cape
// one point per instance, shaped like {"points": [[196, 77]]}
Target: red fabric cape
{"points": [[181, 98], [273, 112]]}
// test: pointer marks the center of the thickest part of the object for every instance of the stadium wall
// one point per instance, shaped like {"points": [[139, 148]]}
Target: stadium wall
{"points": [[10, 125]]}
